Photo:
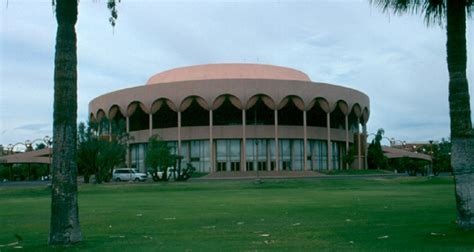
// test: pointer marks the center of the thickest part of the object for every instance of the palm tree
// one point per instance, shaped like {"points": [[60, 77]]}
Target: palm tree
{"points": [[462, 133], [64, 225]]}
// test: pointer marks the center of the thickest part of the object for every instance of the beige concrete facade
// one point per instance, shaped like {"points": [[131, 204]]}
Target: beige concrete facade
{"points": [[242, 84], [244, 90]]}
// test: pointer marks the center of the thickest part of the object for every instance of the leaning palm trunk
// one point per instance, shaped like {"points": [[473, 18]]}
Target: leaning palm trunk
{"points": [[462, 137], [64, 226]]}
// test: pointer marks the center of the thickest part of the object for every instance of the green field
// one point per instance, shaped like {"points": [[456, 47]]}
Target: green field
{"points": [[295, 215]]}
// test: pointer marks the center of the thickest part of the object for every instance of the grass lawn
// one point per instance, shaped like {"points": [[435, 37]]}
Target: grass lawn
{"points": [[296, 215]]}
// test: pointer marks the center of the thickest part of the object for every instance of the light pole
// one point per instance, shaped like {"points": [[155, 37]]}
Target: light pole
{"points": [[9, 152], [393, 143], [29, 145], [431, 157], [10, 149], [258, 168]]}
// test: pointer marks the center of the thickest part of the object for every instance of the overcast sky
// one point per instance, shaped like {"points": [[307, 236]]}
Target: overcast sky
{"points": [[398, 61]]}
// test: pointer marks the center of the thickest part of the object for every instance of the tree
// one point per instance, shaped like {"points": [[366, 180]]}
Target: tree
{"points": [[159, 157], [375, 156], [64, 224], [442, 156], [462, 133], [440, 153], [98, 153], [40, 146], [112, 149], [349, 158], [64, 227], [87, 150]]}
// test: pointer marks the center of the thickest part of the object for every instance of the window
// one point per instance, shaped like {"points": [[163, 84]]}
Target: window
{"points": [[272, 165], [317, 154], [250, 166], [138, 155], [228, 153], [196, 152], [261, 153], [235, 166], [221, 166], [286, 166], [262, 165]]}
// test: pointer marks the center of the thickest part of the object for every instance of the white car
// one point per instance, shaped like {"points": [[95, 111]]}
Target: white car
{"points": [[125, 174]]}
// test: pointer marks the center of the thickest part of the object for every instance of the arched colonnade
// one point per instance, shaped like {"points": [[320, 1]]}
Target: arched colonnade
{"points": [[243, 116]]}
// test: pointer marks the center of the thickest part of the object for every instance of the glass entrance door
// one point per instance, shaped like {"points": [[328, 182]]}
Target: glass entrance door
{"points": [[228, 155]]}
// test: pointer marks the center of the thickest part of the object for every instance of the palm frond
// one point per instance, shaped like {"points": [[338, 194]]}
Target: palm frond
{"points": [[398, 6], [112, 6], [434, 11]]}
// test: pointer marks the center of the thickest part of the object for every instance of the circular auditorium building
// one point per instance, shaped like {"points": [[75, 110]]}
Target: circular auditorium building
{"points": [[241, 117]]}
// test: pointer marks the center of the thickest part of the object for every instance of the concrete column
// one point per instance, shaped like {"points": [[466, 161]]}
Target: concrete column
{"points": [[214, 154], [127, 128], [359, 152], [305, 142], [179, 133], [243, 166], [328, 120], [150, 124], [211, 156], [127, 122], [364, 129], [277, 158], [292, 154], [347, 137]]}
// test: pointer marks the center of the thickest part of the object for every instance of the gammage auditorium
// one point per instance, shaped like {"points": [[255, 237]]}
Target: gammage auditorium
{"points": [[241, 117]]}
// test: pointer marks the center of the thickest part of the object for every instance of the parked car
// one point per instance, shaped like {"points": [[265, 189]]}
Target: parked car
{"points": [[125, 174]]}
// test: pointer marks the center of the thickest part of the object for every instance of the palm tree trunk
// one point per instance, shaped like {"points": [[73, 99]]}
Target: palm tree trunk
{"points": [[462, 137], [64, 226]]}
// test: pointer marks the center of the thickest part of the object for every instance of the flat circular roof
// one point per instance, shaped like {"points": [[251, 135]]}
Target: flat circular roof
{"points": [[228, 71]]}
